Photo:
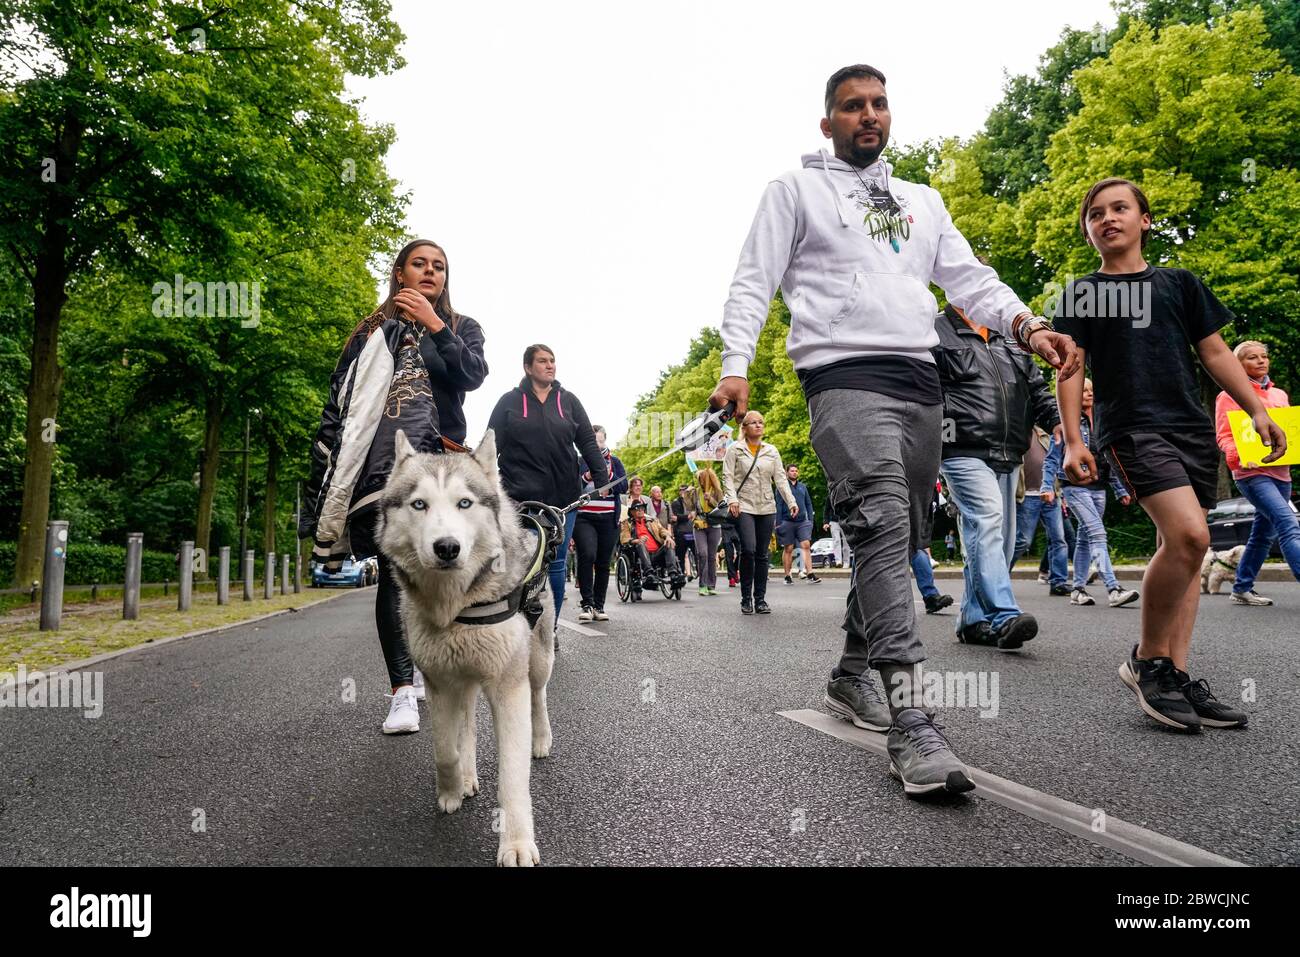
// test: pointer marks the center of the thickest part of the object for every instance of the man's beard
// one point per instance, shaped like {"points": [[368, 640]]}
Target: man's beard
{"points": [[861, 156]]}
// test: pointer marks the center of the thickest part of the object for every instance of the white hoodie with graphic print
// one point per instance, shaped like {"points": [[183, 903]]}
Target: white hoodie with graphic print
{"points": [[854, 265]]}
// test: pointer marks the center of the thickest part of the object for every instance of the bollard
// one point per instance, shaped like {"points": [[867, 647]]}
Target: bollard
{"points": [[284, 574], [248, 575], [131, 591], [36, 586], [56, 557], [297, 569], [223, 575], [269, 586], [94, 592], [167, 585], [185, 587]]}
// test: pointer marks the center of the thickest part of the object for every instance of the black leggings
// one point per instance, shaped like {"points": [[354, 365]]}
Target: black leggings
{"points": [[595, 538], [755, 535], [389, 621]]}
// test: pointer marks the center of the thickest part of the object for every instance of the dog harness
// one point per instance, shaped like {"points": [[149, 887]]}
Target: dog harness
{"points": [[1220, 561], [526, 596]]}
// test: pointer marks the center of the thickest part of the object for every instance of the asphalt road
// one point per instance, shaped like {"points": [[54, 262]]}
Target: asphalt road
{"points": [[668, 747]]}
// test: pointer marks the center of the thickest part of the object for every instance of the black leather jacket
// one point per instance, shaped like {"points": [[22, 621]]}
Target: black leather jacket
{"points": [[993, 393]]}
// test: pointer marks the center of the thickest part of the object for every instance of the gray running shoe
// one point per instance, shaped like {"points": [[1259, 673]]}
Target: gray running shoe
{"points": [[1251, 597], [1121, 596], [857, 698], [921, 757], [1159, 691]]}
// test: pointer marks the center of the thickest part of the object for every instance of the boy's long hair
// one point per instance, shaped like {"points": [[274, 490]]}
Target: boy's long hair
{"points": [[387, 309], [1097, 187]]}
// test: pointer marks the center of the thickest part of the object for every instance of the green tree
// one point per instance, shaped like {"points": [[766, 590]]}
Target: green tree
{"points": [[135, 128]]}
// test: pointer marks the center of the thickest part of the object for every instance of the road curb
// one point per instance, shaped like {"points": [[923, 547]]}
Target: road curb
{"points": [[1122, 572], [109, 655]]}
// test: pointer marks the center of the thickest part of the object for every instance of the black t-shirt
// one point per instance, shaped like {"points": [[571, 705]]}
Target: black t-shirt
{"points": [[900, 377], [1138, 330]]}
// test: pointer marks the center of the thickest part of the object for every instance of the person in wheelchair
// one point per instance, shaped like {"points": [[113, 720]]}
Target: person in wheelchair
{"points": [[652, 544]]}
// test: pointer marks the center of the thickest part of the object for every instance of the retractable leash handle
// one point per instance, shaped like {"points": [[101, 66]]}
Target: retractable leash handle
{"points": [[703, 427]]}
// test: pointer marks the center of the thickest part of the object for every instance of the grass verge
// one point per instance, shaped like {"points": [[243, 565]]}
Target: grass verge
{"points": [[96, 632]]}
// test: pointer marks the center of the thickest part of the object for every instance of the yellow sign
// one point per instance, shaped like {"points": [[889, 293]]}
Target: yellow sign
{"points": [[1252, 450]]}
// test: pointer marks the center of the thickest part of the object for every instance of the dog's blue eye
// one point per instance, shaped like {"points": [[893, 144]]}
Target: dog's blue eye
{"points": [[464, 503], [418, 505]]}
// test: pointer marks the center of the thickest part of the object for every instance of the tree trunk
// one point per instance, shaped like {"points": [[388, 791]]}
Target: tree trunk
{"points": [[46, 379], [209, 460], [43, 387], [268, 505]]}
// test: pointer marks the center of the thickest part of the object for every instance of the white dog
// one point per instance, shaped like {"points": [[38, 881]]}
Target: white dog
{"points": [[462, 560], [1218, 567]]}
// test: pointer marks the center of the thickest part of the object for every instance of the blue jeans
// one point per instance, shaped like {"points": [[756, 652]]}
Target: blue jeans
{"points": [[1274, 521], [1028, 514], [1088, 504], [557, 568], [987, 502], [924, 575]]}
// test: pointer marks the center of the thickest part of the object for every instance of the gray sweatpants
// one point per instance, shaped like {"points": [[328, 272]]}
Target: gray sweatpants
{"points": [[881, 458]]}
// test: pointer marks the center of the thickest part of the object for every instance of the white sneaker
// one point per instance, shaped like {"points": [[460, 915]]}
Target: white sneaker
{"points": [[1122, 596], [403, 713], [600, 615], [586, 614], [417, 682], [1251, 597], [1042, 579], [1081, 597]]}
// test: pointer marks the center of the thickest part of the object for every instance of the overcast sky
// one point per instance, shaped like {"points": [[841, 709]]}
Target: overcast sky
{"points": [[592, 168]]}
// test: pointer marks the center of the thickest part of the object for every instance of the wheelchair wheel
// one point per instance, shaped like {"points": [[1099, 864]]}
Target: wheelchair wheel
{"points": [[623, 578], [666, 588]]}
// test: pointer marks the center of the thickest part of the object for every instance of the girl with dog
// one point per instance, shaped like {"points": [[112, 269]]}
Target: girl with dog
{"points": [[406, 366], [1267, 487], [1149, 421]]}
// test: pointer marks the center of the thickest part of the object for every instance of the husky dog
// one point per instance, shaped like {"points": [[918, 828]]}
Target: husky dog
{"points": [[455, 540], [1218, 567]]}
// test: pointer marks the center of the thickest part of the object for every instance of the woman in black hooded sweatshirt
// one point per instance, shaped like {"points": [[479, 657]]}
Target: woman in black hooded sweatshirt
{"points": [[537, 424]]}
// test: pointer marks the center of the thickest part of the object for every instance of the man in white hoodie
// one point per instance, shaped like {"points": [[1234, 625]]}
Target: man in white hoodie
{"points": [[853, 253]]}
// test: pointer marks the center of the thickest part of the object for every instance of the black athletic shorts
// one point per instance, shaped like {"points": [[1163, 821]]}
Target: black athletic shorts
{"points": [[1150, 462]]}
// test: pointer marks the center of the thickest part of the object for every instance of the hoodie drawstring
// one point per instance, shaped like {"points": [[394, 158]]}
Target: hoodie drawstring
{"points": [[835, 193]]}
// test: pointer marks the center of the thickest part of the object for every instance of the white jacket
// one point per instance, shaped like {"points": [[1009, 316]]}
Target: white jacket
{"points": [[756, 496], [854, 266]]}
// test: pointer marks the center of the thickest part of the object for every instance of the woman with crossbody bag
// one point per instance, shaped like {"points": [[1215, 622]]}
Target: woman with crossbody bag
{"points": [[750, 470]]}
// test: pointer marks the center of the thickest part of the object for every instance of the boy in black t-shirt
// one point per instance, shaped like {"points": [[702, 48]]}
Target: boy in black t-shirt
{"points": [[1136, 326]]}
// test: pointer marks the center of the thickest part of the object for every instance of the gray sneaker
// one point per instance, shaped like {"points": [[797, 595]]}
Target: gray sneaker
{"points": [[1251, 597], [857, 698], [921, 757]]}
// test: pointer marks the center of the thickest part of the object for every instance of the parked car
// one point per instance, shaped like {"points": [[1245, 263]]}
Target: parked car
{"points": [[1230, 523], [353, 573], [823, 554]]}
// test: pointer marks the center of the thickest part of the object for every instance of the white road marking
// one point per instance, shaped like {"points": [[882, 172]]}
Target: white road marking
{"points": [[1130, 840], [582, 629]]}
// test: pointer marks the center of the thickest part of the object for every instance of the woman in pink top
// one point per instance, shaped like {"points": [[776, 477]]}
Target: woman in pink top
{"points": [[1267, 488]]}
